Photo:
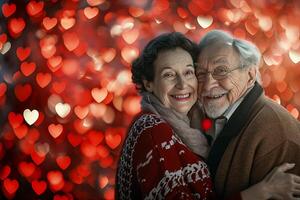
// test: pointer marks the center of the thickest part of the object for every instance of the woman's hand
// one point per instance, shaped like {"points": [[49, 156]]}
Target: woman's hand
{"points": [[276, 185]]}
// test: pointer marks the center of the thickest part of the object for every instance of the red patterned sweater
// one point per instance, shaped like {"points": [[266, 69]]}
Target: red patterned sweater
{"points": [[155, 164]]}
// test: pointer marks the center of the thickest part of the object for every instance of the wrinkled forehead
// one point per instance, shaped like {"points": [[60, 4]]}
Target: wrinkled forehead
{"points": [[222, 53]]}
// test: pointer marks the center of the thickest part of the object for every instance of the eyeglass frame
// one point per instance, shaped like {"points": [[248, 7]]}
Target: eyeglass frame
{"points": [[211, 72]]}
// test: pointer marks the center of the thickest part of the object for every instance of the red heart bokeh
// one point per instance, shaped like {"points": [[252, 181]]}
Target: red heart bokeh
{"points": [[27, 68], [10, 186], [69, 64], [16, 26], [34, 8], [39, 187], [8, 9], [49, 23], [63, 162], [22, 92]]}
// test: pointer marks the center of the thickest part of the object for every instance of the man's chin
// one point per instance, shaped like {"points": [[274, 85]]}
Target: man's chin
{"points": [[214, 113]]}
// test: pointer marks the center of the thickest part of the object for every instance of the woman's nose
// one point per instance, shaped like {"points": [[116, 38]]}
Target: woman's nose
{"points": [[181, 82]]}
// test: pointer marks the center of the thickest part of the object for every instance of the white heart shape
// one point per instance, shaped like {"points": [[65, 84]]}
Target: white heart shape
{"points": [[5, 48], [30, 116], [205, 21], [294, 56], [62, 109]]}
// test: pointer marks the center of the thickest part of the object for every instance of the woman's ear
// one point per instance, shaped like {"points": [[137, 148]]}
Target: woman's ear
{"points": [[148, 85]]}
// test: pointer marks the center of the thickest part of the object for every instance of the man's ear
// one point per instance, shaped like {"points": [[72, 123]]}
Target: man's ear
{"points": [[148, 85], [252, 75]]}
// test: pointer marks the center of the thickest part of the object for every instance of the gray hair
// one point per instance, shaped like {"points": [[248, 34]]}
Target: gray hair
{"points": [[248, 52]]}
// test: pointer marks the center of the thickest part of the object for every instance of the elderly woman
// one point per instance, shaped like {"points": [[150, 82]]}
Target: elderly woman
{"points": [[163, 157]]}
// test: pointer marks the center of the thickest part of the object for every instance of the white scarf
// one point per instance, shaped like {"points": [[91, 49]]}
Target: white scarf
{"points": [[192, 138]]}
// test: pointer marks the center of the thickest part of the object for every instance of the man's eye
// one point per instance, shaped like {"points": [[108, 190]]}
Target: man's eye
{"points": [[190, 72], [220, 70]]}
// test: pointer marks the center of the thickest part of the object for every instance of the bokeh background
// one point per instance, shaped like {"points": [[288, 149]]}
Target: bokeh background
{"points": [[66, 97]]}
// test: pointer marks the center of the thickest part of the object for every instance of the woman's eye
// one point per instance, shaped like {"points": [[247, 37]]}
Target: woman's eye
{"points": [[168, 75]]}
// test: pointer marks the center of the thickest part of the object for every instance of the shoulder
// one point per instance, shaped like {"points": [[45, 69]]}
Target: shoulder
{"points": [[149, 122], [272, 114], [273, 123]]}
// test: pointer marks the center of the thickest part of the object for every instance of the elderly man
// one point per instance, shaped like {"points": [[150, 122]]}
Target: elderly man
{"points": [[251, 133]]}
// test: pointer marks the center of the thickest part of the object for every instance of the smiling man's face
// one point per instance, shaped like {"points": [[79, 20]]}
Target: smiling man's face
{"points": [[217, 95]]}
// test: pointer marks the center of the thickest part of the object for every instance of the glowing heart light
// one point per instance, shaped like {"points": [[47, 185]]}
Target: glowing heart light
{"points": [[99, 94], [10, 185], [81, 112], [15, 119], [71, 40], [37, 158], [67, 23], [109, 55], [65, 56], [129, 53], [130, 36], [56, 180], [62, 109], [74, 139], [49, 23], [95, 137], [21, 131], [23, 53], [43, 79], [39, 187], [33, 8], [16, 26], [113, 141], [27, 68], [8, 9], [55, 130], [102, 151], [4, 172], [88, 149], [103, 181], [95, 2], [3, 38], [251, 26], [294, 56], [61, 197], [26, 168], [58, 87], [90, 12], [205, 21], [54, 63], [22, 92], [30, 116], [63, 162], [6, 47], [3, 89]]}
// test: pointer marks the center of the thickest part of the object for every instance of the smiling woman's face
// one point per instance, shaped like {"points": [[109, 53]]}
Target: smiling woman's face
{"points": [[174, 83]]}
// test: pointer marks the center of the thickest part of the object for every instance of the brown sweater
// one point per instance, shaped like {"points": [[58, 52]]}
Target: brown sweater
{"points": [[259, 136]]}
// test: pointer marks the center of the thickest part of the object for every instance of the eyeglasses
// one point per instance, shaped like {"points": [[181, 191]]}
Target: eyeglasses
{"points": [[218, 73]]}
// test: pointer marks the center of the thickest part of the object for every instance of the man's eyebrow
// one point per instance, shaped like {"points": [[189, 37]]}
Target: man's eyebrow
{"points": [[220, 60]]}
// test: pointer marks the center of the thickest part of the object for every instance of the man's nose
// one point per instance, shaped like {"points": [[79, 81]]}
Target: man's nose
{"points": [[209, 83]]}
